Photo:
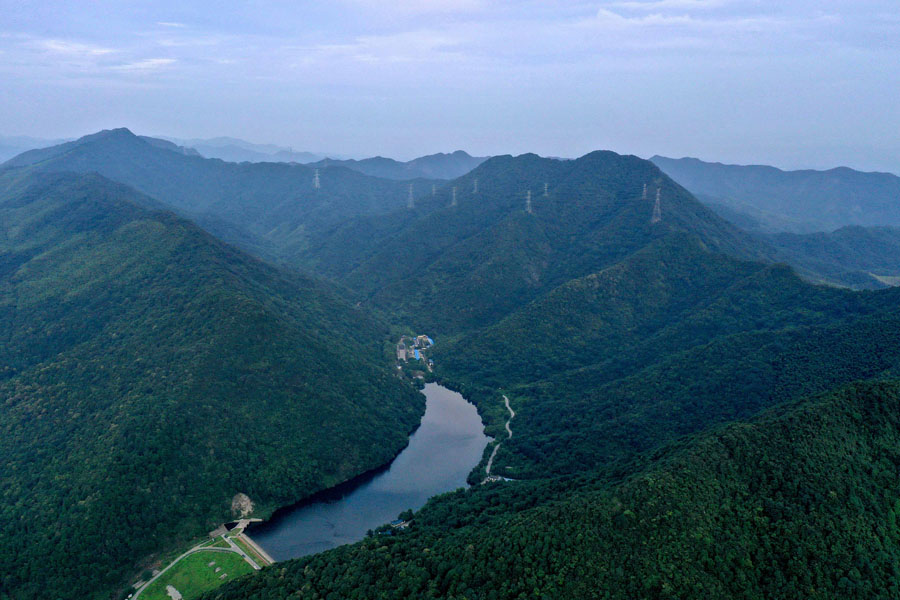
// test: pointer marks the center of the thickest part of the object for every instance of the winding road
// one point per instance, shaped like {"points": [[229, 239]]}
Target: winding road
{"points": [[512, 414]]}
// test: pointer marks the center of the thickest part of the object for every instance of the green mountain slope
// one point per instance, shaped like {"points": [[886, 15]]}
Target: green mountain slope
{"points": [[853, 256], [667, 342], [271, 209], [799, 503], [609, 374], [803, 201], [460, 267], [150, 373]]}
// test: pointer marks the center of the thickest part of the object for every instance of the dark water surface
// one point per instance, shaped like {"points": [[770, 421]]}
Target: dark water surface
{"points": [[447, 445]]}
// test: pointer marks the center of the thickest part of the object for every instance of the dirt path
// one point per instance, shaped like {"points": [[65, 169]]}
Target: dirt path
{"points": [[512, 414]]}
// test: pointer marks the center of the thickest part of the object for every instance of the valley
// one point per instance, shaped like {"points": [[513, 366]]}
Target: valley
{"points": [[450, 300], [592, 306]]}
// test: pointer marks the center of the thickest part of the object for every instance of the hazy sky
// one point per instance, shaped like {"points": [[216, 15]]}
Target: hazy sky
{"points": [[790, 83]]}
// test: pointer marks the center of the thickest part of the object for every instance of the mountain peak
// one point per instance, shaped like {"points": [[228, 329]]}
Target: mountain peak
{"points": [[107, 134]]}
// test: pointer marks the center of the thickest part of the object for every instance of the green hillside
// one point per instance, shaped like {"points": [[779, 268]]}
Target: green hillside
{"points": [[610, 374], [853, 256], [462, 267], [801, 502], [150, 373], [271, 209], [667, 342]]}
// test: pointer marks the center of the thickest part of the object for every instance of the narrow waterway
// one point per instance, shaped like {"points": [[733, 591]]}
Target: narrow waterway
{"points": [[448, 443]]}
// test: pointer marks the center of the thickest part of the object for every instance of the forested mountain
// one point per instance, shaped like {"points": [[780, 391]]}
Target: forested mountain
{"points": [[610, 375], [433, 166], [149, 373], [451, 268], [665, 343], [618, 326], [271, 209], [853, 256], [773, 200], [801, 502]]}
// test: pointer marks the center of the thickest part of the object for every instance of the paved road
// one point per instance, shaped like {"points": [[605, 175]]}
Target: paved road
{"points": [[512, 413], [243, 554]]}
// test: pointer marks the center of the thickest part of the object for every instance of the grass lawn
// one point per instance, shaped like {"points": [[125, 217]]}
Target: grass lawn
{"points": [[219, 543], [192, 576]]}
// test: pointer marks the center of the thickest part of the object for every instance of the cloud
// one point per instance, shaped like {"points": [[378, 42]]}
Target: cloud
{"points": [[147, 64], [418, 7], [671, 4], [410, 46], [171, 24], [68, 47]]}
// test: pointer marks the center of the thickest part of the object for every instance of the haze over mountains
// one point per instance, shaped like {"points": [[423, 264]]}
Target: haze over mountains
{"points": [[11, 146], [671, 380], [433, 166], [770, 200], [236, 150]]}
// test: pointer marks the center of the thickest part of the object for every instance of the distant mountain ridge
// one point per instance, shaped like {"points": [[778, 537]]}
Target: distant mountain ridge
{"points": [[433, 166], [470, 264], [237, 150], [852, 256], [772, 200], [11, 146], [272, 209]]}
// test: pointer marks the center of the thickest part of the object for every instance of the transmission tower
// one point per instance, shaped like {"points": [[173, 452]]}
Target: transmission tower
{"points": [[316, 183], [644, 196], [528, 202], [410, 202], [453, 196], [475, 186], [546, 189], [657, 212], [433, 190]]}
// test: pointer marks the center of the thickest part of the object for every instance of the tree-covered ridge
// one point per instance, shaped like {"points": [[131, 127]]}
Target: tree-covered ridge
{"points": [[150, 373], [801, 502], [274, 210], [665, 343], [461, 267], [852, 256]]}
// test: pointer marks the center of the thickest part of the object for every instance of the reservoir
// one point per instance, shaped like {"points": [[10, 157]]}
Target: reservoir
{"points": [[449, 442]]}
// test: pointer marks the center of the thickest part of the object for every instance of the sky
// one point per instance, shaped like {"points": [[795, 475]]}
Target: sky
{"points": [[796, 84]]}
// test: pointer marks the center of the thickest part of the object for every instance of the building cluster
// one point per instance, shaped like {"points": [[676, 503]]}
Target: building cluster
{"points": [[411, 348]]}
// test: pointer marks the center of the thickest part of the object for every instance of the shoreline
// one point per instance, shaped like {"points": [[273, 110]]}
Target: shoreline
{"points": [[283, 531], [336, 491]]}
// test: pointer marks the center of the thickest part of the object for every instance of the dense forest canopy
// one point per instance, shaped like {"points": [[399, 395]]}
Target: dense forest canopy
{"points": [[150, 373], [629, 480], [801, 502], [654, 356]]}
